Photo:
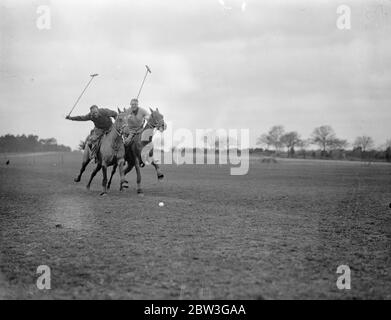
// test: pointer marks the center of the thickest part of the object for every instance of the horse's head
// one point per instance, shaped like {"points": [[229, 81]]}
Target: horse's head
{"points": [[121, 122], [156, 120]]}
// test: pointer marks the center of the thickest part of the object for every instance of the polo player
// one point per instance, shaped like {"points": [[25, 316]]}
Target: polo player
{"points": [[138, 117], [101, 118]]}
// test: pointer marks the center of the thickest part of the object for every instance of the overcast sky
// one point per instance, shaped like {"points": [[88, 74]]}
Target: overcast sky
{"points": [[250, 64]]}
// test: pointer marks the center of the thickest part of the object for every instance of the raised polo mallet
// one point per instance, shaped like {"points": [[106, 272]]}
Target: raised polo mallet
{"points": [[92, 77], [146, 73]]}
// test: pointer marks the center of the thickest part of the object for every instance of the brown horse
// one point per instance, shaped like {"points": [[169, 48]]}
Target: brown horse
{"points": [[140, 141], [112, 153], [86, 160]]}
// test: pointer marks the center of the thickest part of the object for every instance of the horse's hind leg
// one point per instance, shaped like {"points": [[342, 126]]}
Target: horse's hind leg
{"points": [[128, 168], [86, 161], [160, 175], [104, 181], [137, 166], [112, 174], [97, 168]]}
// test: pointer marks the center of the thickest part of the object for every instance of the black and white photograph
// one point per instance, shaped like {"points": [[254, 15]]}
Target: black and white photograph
{"points": [[196, 150]]}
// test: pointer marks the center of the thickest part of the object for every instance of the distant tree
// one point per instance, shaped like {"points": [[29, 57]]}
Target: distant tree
{"points": [[339, 144], [388, 154], [50, 141], [322, 136], [264, 140], [272, 138], [302, 144], [290, 140], [325, 138], [363, 142], [388, 150], [30, 143], [275, 134]]}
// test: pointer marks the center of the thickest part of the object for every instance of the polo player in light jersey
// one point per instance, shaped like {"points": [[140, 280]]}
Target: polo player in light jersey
{"points": [[136, 121], [102, 120]]}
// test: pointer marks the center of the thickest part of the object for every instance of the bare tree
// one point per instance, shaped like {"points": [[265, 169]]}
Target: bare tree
{"points": [[303, 144], [272, 138], [364, 142], [264, 140], [290, 140], [324, 136], [339, 144], [275, 134]]}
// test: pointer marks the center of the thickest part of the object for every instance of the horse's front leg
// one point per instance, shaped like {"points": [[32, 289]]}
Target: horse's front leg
{"points": [[124, 183], [138, 172], [86, 161], [97, 168], [112, 174], [104, 181]]}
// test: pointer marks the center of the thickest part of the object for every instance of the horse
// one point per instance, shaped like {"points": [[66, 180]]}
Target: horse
{"points": [[134, 149], [112, 152], [84, 145]]}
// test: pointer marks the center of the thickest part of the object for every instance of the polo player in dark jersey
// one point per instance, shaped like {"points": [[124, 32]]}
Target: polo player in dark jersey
{"points": [[102, 120]]}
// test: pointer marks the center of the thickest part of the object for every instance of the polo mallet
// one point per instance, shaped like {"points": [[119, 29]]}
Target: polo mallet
{"points": [[146, 73], [78, 99]]}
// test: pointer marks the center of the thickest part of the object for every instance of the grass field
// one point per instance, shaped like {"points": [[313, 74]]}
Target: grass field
{"points": [[278, 232]]}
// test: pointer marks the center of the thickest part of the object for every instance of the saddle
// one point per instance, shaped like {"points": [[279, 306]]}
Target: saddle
{"points": [[96, 146], [136, 134]]}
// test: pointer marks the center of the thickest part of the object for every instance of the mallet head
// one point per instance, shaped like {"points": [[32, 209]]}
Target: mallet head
{"points": [[148, 69]]}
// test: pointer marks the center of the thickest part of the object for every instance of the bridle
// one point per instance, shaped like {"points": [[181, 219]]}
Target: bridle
{"points": [[154, 124], [120, 131]]}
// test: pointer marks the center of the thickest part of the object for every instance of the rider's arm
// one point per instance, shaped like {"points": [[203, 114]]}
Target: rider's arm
{"points": [[81, 118]]}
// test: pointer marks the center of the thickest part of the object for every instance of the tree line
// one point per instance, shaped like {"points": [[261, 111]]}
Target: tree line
{"points": [[276, 140], [30, 143]]}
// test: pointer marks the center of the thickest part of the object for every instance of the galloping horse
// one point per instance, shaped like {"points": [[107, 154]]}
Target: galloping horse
{"points": [[112, 152], [141, 140], [86, 160]]}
